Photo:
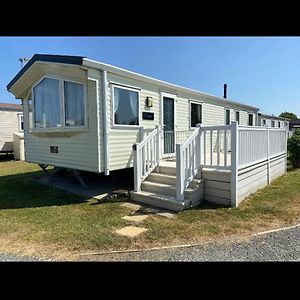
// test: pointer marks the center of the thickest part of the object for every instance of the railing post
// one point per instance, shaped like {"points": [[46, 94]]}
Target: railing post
{"points": [[136, 167], [234, 163], [286, 138], [158, 144], [268, 154], [179, 173], [198, 147]]}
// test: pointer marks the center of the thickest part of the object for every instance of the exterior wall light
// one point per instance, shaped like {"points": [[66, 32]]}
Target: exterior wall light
{"points": [[149, 101]]}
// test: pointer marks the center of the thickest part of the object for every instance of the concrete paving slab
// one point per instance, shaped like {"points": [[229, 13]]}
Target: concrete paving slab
{"points": [[131, 206], [166, 214], [136, 219], [131, 231]]}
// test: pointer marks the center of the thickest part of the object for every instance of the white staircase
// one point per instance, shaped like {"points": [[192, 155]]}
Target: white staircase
{"points": [[159, 189]]}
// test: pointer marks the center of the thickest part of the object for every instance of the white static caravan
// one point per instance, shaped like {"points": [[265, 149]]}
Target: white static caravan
{"points": [[11, 121], [90, 116], [273, 121]]}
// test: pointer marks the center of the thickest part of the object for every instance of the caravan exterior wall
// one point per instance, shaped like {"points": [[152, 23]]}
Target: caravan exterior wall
{"points": [[76, 149], [121, 138]]}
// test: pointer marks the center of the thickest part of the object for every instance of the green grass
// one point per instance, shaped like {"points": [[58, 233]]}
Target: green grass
{"points": [[50, 221]]}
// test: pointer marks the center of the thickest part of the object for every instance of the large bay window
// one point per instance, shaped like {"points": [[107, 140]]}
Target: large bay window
{"points": [[126, 106], [51, 96]]}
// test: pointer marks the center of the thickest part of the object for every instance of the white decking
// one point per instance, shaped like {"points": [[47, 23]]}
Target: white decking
{"points": [[220, 164]]}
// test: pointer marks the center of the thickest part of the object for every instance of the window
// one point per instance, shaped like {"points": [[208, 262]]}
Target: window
{"points": [[196, 114], [47, 104], [273, 123], [21, 122], [264, 122], [278, 124], [74, 104], [126, 106], [237, 117], [250, 119], [50, 96], [227, 116]]}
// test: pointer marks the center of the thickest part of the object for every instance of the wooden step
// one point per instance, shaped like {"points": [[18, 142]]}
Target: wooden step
{"points": [[170, 179], [191, 193], [165, 170], [162, 178], [160, 188], [159, 200]]}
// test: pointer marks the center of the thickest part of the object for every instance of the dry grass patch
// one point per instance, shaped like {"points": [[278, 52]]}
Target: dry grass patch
{"points": [[39, 220]]}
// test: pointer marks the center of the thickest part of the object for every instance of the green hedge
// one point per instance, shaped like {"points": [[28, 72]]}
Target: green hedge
{"points": [[293, 145]]}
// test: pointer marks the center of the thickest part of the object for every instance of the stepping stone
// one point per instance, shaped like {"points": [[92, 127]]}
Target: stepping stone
{"points": [[131, 205], [166, 214], [137, 218], [131, 231]]}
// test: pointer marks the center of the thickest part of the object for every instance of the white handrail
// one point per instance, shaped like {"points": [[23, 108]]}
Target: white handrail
{"points": [[187, 162], [147, 155]]}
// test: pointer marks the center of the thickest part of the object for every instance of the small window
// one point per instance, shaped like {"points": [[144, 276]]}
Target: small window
{"points": [[227, 117], [250, 119], [74, 104], [278, 124], [47, 104], [126, 106], [273, 123], [264, 122], [196, 114], [21, 122], [237, 117]]}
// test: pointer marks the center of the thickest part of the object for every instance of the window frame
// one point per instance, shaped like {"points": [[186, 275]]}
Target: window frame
{"points": [[20, 116], [128, 88], [190, 112], [63, 127], [238, 111], [225, 112], [264, 122], [272, 123], [279, 125], [249, 119]]}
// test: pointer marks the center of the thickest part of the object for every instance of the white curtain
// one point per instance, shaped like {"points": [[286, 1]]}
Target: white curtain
{"points": [[116, 99], [133, 100], [74, 103], [47, 103]]}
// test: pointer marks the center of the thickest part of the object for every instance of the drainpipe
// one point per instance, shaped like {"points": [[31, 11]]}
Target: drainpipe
{"points": [[105, 123]]}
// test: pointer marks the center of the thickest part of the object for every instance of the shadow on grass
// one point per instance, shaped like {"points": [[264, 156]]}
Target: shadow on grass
{"points": [[208, 206], [36, 189], [21, 191], [6, 157]]}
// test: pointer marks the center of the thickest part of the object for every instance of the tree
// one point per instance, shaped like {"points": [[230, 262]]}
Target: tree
{"points": [[288, 115], [293, 145]]}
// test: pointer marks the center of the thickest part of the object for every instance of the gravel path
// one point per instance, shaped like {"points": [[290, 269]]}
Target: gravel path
{"points": [[276, 246], [10, 257]]}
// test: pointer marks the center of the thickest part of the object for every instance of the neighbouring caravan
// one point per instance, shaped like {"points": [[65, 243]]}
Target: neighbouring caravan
{"points": [[11, 122], [87, 115], [273, 121]]}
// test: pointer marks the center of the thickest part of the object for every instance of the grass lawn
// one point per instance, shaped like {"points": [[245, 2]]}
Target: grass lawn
{"points": [[39, 220]]}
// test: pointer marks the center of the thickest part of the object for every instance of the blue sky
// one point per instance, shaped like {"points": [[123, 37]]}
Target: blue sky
{"points": [[259, 71]]}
